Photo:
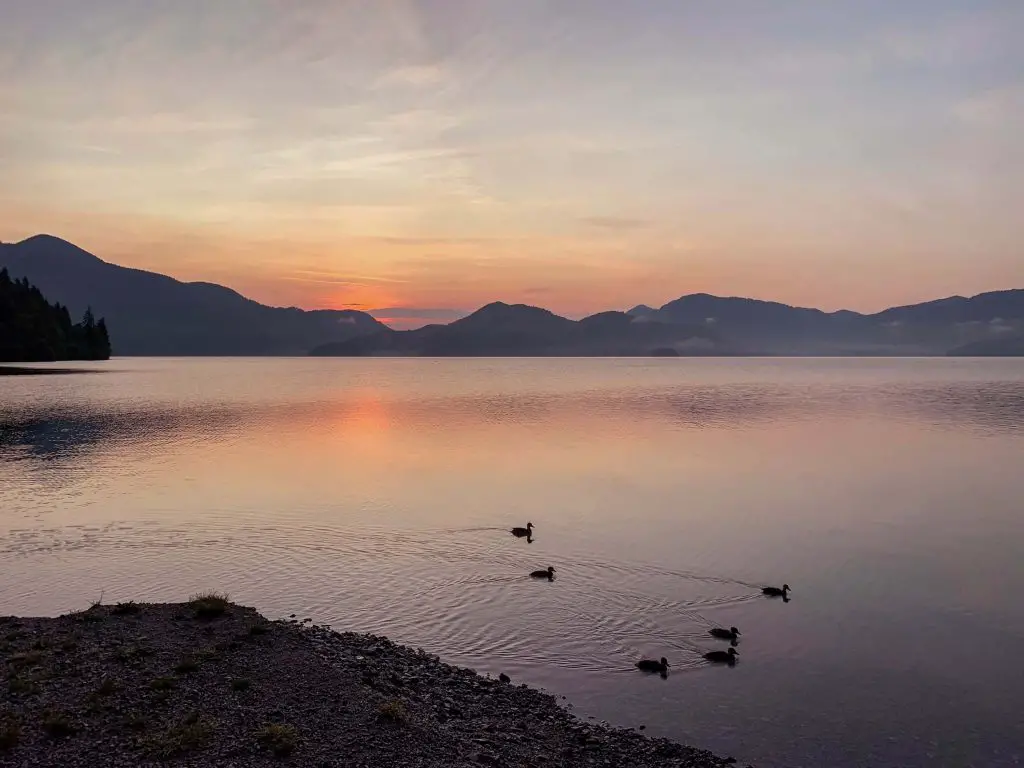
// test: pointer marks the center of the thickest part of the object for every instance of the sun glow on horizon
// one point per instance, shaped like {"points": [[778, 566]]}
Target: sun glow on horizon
{"points": [[447, 154]]}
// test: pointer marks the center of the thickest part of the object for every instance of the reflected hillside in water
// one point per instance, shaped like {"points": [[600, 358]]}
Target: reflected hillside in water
{"points": [[72, 433]]}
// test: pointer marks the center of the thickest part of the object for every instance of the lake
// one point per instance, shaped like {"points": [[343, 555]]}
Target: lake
{"points": [[376, 495]]}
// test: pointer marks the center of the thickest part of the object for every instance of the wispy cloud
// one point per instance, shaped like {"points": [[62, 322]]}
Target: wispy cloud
{"points": [[1003, 106], [615, 222], [421, 76]]}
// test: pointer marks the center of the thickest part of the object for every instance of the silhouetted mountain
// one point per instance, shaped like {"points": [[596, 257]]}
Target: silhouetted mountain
{"points": [[1003, 346], [157, 315], [33, 330], [641, 310], [765, 327], [500, 329]]}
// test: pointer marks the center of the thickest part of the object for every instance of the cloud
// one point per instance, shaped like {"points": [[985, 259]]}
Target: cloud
{"points": [[615, 222], [333, 278], [417, 76], [993, 107]]}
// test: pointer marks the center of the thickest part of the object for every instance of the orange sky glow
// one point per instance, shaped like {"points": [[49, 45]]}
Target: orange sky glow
{"points": [[430, 157]]}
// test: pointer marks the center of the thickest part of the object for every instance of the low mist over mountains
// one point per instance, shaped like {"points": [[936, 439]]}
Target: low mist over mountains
{"points": [[501, 329], [933, 328], [153, 314]]}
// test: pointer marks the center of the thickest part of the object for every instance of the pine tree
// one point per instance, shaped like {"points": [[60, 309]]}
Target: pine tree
{"points": [[33, 330]]}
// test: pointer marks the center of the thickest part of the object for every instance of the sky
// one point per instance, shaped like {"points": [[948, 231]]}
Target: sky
{"points": [[424, 157]]}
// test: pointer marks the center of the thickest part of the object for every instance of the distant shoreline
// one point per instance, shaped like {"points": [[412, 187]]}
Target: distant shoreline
{"points": [[15, 370]]}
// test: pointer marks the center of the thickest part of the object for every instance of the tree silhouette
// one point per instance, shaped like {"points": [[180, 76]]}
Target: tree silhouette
{"points": [[33, 330]]}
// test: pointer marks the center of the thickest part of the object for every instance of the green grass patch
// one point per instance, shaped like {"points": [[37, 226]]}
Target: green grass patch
{"points": [[207, 654], [20, 686], [10, 732], [279, 738], [58, 725], [27, 659], [211, 605], [392, 710], [192, 734], [162, 683], [107, 687]]}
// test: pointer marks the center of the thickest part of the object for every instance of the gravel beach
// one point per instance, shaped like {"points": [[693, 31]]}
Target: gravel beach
{"points": [[210, 683]]}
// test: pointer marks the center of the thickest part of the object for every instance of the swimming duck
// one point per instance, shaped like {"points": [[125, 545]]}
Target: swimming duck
{"points": [[725, 634], [776, 592], [722, 657], [650, 665], [520, 532], [549, 574]]}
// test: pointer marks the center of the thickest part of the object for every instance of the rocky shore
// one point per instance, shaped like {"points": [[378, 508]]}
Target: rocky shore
{"points": [[210, 683], [13, 370]]}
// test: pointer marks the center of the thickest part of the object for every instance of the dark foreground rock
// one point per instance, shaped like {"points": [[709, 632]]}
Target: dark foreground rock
{"points": [[12, 370], [209, 683]]}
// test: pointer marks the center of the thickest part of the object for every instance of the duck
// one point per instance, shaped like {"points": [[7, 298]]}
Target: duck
{"points": [[504, 678], [775, 591], [722, 657], [548, 574], [725, 634], [650, 665], [520, 532]]}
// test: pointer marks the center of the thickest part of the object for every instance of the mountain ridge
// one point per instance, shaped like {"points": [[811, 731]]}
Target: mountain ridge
{"points": [[158, 315]]}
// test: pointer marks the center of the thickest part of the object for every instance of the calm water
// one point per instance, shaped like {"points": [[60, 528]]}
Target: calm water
{"points": [[375, 495]]}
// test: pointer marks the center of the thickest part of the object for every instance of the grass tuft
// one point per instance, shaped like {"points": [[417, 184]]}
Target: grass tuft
{"points": [[10, 733], [27, 659], [392, 710], [106, 688], [279, 738], [207, 654], [126, 609], [57, 725], [162, 683], [211, 605], [193, 733], [19, 685]]}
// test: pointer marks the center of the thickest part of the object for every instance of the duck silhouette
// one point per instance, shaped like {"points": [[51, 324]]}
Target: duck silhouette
{"points": [[523, 532], [548, 574], [650, 665], [722, 657], [776, 592], [725, 634]]}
